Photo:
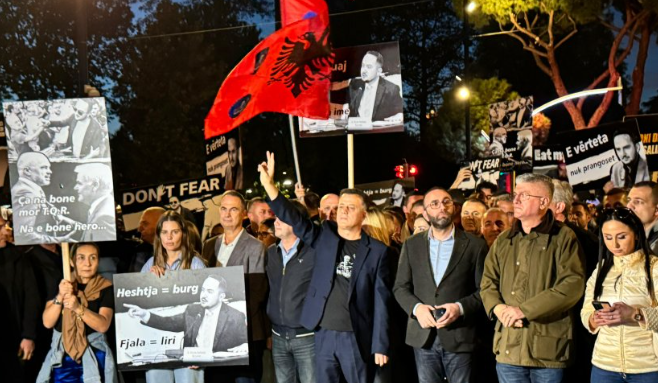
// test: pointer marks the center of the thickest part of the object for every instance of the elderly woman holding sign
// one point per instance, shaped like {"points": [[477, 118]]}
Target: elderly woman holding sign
{"points": [[81, 313], [172, 250]]}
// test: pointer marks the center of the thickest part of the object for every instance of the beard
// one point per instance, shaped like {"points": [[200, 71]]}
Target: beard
{"points": [[441, 223]]}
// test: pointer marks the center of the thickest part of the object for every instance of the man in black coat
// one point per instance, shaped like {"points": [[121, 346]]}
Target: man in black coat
{"points": [[373, 97], [19, 297], [439, 270], [210, 323]]}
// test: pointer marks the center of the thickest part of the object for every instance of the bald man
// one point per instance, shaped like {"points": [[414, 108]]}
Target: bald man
{"points": [[328, 207]]}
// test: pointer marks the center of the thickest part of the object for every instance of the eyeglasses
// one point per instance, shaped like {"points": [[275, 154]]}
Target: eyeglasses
{"points": [[436, 203], [523, 196]]}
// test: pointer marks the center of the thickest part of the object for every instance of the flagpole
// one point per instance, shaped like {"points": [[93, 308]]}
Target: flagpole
{"points": [[350, 160], [294, 148]]}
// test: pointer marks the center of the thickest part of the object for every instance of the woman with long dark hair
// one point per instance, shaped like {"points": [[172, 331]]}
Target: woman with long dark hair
{"points": [[173, 250], [618, 295]]}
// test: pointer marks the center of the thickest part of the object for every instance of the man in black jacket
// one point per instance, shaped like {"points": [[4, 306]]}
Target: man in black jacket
{"points": [[442, 343], [289, 270], [19, 298]]}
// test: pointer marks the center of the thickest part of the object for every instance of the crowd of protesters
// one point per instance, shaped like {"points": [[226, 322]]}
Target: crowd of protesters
{"points": [[483, 287]]}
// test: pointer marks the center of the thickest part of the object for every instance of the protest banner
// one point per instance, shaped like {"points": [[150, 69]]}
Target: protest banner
{"points": [[366, 93], [200, 197], [162, 322], [224, 158], [611, 152], [549, 161], [511, 133], [60, 171], [648, 126], [388, 193], [484, 169]]}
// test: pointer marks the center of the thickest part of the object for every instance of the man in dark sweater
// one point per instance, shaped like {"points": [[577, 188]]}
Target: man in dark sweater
{"points": [[289, 269]]}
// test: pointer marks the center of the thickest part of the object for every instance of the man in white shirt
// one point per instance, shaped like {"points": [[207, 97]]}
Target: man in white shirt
{"points": [[222, 328], [373, 97]]}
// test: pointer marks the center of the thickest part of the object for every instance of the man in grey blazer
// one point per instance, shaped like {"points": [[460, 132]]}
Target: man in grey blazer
{"points": [[237, 248], [440, 269]]}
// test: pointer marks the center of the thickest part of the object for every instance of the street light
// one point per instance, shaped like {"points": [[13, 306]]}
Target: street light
{"points": [[463, 93], [470, 7]]}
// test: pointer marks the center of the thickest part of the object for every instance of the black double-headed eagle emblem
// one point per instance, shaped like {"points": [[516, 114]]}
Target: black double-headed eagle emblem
{"points": [[300, 62]]}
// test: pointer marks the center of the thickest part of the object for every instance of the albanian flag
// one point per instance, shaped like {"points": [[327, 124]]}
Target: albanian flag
{"points": [[288, 72], [294, 10]]}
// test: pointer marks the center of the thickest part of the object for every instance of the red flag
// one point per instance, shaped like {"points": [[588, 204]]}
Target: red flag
{"points": [[288, 72], [295, 10]]}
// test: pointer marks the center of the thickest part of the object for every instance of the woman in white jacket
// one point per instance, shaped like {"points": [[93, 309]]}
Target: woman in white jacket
{"points": [[622, 285]]}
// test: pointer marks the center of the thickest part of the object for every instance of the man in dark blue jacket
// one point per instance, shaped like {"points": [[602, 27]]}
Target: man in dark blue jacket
{"points": [[348, 298], [289, 266]]}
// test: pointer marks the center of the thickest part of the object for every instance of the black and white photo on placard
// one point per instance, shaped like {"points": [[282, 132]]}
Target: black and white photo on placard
{"points": [[60, 171], [186, 317]]}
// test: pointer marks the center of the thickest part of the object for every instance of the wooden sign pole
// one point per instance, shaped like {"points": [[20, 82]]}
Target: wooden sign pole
{"points": [[66, 261]]}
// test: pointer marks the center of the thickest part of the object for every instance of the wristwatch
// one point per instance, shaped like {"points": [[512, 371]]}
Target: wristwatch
{"points": [[638, 317], [56, 302]]}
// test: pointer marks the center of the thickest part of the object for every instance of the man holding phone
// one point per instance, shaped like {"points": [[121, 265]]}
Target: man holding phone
{"points": [[444, 302]]}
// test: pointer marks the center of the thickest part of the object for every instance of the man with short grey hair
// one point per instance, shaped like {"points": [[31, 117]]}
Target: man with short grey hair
{"points": [[533, 277], [94, 187], [562, 200]]}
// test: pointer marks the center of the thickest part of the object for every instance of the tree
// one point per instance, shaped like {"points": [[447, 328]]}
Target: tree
{"points": [[39, 58], [169, 84], [542, 27]]}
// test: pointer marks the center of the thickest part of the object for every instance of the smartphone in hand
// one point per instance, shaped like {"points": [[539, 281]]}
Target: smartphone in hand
{"points": [[600, 305]]}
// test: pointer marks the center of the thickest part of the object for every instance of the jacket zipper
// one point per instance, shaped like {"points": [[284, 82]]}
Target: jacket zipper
{"points": [[621, 328], [283, 278]]}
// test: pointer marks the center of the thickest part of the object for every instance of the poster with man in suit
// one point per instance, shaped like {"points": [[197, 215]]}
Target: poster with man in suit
{"points": [[187, 317], [366, 93], [60, 171]]}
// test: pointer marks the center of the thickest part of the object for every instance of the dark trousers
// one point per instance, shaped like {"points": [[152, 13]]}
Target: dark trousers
{"points": [[336, 352], [435, 364]]}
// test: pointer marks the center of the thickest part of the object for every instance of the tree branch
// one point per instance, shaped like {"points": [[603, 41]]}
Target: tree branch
{"points": [[551, 40], [613, 62], [570, 35], [527, 32]]}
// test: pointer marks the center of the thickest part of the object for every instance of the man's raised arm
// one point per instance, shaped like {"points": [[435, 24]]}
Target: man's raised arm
{"points": [[282, 208]]}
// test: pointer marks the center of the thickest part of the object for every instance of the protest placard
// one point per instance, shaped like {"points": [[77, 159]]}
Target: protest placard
{"points": [[610, 152], [484, 169], [366, 93], [186, 317], [549, 160], [224, 157], [60, 171], [388, 193], [648, 126], [511, 133]]}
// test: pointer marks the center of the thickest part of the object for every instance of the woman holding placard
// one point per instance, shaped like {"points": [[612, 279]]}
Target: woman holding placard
{"points": [[172, 250], [618, 295], [81, 314]]}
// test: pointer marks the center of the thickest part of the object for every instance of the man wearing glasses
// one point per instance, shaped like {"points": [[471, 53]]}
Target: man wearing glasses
{"points": [[533, 277], [443, 303]]}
